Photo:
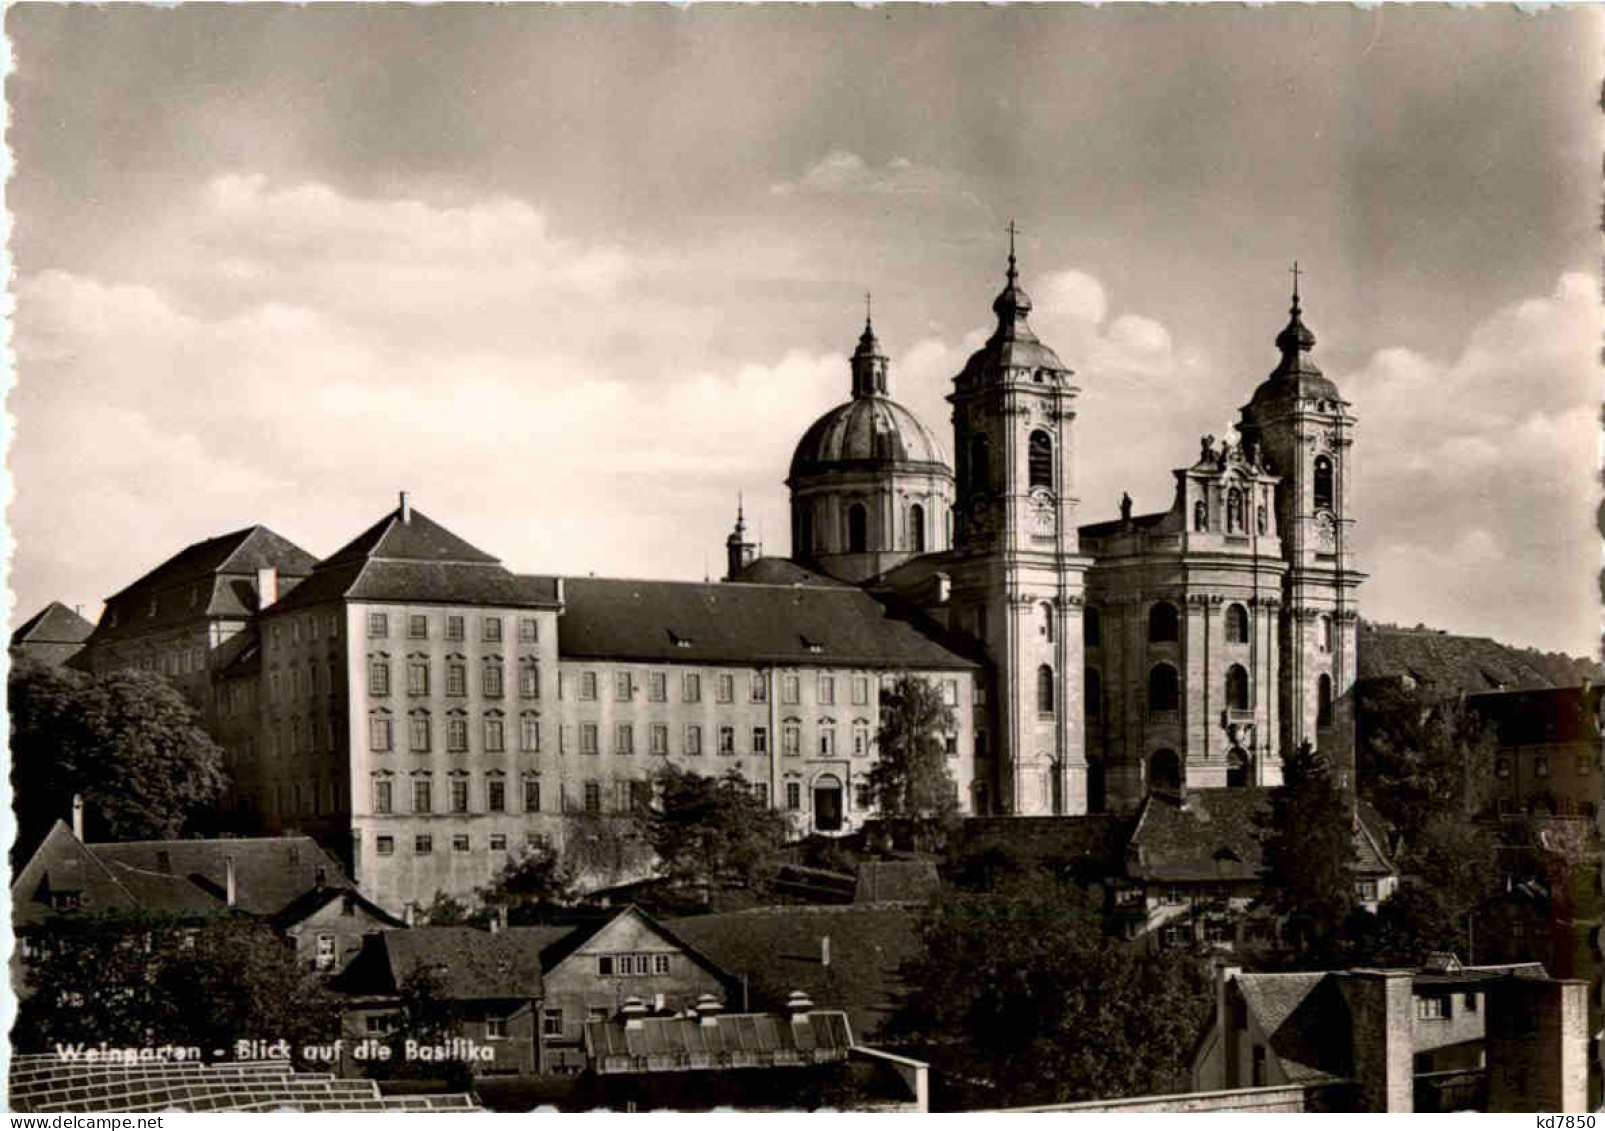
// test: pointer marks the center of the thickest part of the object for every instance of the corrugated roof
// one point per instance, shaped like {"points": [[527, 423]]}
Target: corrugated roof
{"points": [[726, 1041], [720, 622]]}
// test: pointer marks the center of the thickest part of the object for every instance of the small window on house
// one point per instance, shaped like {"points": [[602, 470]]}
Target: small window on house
{"points": [[495, 1028], [1236, 624], [1433, 1007], [386, 845], [759, 688], [496, 796], [1541, 766], [493, 630], [691, 688], [793, 795], [657, 687], [378, 625], [528, 630], [552, 1022], [418, 627], [790, 689], [454, 628], [593, 797], [623, 687], [460, 843], [423, 845]]}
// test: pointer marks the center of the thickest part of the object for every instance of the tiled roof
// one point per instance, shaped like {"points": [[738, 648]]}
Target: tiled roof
{"points": [[779, 950], [53, 624], [896, 881], [61, 864], [1470, 664], [238, 552], [1304, 1018], [727, 1041], [474, 964], [269, 872], [1546, 715], [717, 622], [416, 561], [43, 1083], [311, 902], [1214, 834], [783, 571]]}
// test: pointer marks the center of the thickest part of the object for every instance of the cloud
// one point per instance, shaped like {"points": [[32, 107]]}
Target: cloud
{"points": [[842, 172], [1071, 294]]}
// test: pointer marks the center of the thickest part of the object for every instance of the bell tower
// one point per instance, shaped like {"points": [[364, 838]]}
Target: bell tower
{"points": [[1017, 572], [1305, 429]]}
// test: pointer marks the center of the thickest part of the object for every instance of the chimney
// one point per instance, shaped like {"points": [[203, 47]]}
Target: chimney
{"points": [[560, 591], [230, 881], [267, 587], [406, 508], [824, 951], [78, 815], [408, 915], [708, 1010], [944, 588]]}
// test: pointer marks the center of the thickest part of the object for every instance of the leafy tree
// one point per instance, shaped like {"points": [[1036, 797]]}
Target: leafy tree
{"points": [[141, 979], [1411, 923], [448, 911], [1422, 757], [536, 878], [128, 742], [910, 782], [602, 849], [1309, 857], [708, 832], [428, 1016], [1019, 997]]}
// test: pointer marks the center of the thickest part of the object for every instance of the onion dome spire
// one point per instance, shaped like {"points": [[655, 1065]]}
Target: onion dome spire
{"points": [[1012, 304], [1296, 338], [869, 363]]}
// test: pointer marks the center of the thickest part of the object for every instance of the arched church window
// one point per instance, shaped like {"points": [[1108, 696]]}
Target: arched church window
{"points": [[1234, 511], [1164, 771], [1040, 459], [1323, 483], [1236, 624], [1044, 690], [916, 528], [1094, 692], [1200, 516], [980, 461], [1237, 697], [1091, 628], [805, 532], [857, 529], [1164, 689], [1163, 624], [1045, 619], [1323, 701]]}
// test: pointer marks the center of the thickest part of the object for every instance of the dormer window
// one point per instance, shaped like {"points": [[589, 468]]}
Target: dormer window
{"points": [[679, 641], [814, 647]]}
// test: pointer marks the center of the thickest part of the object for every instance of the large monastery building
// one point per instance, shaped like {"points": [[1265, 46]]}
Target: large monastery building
{"points": [[423, 710]]}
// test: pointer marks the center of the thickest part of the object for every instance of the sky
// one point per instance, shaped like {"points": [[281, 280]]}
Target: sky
{"points": [[575, 277]]}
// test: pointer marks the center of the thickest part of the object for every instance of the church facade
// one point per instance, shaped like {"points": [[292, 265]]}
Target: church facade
{"points": [[1189, 648]]}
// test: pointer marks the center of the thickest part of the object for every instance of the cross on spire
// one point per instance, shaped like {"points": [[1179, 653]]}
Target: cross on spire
{"points": [[1013, 231], [868, 307], [1295, 272]]}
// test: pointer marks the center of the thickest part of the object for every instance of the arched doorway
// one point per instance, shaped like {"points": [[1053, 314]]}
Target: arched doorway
{"points": [[827, 803], [1236, 768], [1164, 771]]}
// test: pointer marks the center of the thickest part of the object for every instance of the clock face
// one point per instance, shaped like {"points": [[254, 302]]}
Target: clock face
{"points": [[1326, 529]]}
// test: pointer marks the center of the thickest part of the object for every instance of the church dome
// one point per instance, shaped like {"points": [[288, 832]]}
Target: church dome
{"points": [[867, 433]]}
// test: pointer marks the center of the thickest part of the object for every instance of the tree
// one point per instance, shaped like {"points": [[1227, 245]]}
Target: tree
{"points": [[709, 832], [910, 782], [603, 849], [1309, 857], [127, 742], [1019, 997], [448, 911], [535, 879], [428, 1017], [134, 979], [1422, 757]]}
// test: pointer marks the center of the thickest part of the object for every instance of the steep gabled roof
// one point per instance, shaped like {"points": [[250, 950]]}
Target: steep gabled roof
{"points": [[237, 552], [1305, 1020], [53, 624], [473, 964], [269, 872], [409, 536], [311, 902], [62, 864], [721, 622]]}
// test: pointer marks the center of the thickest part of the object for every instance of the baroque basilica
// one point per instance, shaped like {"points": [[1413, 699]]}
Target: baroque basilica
{"points": [[1190, 648]]}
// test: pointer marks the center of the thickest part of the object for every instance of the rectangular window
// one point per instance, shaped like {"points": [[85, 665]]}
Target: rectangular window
{"points": [[422, 796], [423, 845], [1432, 1007], [381, 797], [793, 795], [1541, 765], [827, 689], [418, 725], [725, 688], [587, 686], [790, 689], [604, 965], [760, 688], [529, 630], [378, 677], [460, 843], [498, 842], [593, 797], [378, 626], [657, 687], [529, 680], [385, 845], [1470, 1002], [456, 678], [587, 738], [529, 734], [950, 692], [951, 742], [693, 739], [760, 740], [457, 734], [660, 963], [727, 740], [791, 740], [493, 630], [660, 738], [493, 678], [418, 627], [691, 688], [496, 796], [827, 742], [860, 690], [861, 741], [624, 739], [532, 795], [454, 628], [623, 687], [495, 736], [459, 795], [378, 734], [552, 1022], [495, 1028], [418, 677]]}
